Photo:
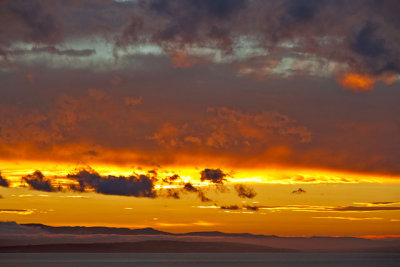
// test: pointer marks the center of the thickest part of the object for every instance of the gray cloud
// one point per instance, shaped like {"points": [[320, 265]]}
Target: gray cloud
{"points": [[245, 191], [37, 181], [216, 176], [3, 181], [188, 187], [304, 23], [41, 26], [173, 193], [203, 197], [366, 33], [299, 191], [135, 185], [230, 207]]}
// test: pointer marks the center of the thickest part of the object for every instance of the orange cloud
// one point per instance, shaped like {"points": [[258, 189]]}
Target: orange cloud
{"points": [[357, 82], [182, 60], [360, 82]]}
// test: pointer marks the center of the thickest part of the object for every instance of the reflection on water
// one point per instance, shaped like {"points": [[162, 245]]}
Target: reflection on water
{"points": [[199, 259]]}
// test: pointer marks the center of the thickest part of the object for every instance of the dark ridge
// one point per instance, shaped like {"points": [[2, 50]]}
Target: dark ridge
{"points": [[153, 246], [82, 230]]}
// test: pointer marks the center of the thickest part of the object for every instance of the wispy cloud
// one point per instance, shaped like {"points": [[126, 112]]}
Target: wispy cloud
{"points": [[350, 218], [17, 211]]}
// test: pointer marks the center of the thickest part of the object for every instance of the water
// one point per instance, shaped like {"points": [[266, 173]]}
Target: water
{"points": [[199, 259]]}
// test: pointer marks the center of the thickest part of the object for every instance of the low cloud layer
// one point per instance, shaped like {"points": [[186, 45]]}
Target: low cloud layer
{"points": [[307, 208]]}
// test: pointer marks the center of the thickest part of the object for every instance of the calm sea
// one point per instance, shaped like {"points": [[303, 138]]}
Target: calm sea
{"points": [[198, 259]]}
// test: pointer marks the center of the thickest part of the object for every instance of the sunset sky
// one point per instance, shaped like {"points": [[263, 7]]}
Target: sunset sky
{"points": [[268, 117]]}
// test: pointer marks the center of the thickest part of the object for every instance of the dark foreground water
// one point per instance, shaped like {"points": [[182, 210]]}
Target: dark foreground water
{"points": [[199, 259]]}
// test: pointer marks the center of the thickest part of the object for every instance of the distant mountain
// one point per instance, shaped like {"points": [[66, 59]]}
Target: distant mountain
{"points": [[82, 230], [72, 234], [153, 246]]}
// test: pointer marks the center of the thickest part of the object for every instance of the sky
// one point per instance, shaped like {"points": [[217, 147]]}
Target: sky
{"points": [[269, 117]]}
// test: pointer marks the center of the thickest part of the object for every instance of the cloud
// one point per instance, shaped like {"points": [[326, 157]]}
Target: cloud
{"points": [[299, 191], [365, 40], [171, 179], [360, 83], [250, 207], [237, 207], [134, 185], [203, 197], [305, 208], [17, 211], [230, 207], [37, 181], [377, 203], [3, 181], [188, 187], [40, 25], [368, 45], [173, 193], [350, 218], [245, 191], [224, 128], [216, 176], [133, 101], [354, 208], [54, 51]]}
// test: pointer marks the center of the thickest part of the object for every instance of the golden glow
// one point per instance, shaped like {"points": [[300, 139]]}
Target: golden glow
{"points": [[327, 194], [56, 170]]}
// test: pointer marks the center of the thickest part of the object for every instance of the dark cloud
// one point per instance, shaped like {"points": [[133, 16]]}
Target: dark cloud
{"points": [[230, 207], [366, 32], [171, 179], [41, 26], [37, 181], [203, 197], [245, 191], [216, 8], [367, 44], [216, 176], [135, 185], [183, 22], [253, 208], [299, 191], [188, 187], [3, 181], [304, 23], [237, 207], [302, 9], [173, 193]]}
